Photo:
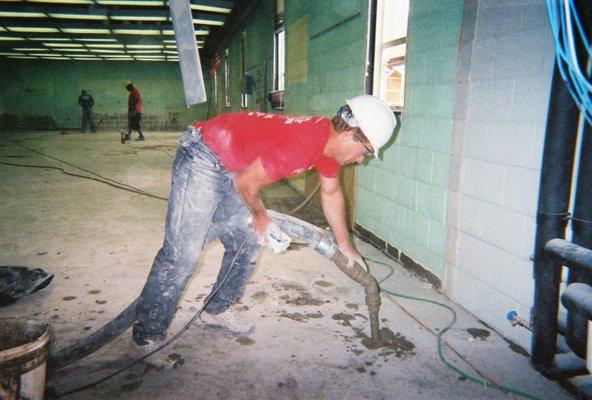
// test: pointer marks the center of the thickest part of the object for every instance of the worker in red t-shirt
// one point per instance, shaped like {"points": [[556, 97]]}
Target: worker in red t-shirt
{"points": [[221, 166], [134, 111]]}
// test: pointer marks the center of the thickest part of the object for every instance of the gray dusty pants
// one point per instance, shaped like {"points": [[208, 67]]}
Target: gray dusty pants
{"points": [[203, 206]]}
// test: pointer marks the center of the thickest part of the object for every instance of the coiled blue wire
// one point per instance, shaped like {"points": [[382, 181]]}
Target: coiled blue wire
{"points": [[565, 36]]}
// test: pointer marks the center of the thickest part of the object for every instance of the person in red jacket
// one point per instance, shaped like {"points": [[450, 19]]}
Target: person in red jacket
{"points": [[134, 111], [220, 168]]}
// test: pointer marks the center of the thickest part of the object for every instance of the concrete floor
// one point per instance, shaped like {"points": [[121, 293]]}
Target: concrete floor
{"points": [[100, 241]]}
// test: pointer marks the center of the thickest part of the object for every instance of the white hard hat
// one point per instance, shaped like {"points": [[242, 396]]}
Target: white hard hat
{"points": [[375, 118]]}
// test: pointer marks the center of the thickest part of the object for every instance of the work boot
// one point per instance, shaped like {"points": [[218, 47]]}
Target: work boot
{"points": [[229, 320], [140, 138], [128, 137]]}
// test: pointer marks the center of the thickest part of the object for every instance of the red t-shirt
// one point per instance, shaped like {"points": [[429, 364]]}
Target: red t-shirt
{"points": [[134, 101], [286, 145]]}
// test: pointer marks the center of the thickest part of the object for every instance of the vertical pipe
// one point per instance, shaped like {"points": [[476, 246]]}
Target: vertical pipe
{"points": [[577, 331], [553, 203], [582, 236]]}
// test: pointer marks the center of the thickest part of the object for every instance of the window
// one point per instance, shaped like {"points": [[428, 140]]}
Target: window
{"points": [[279, 60], [276, 97], [390, 47]]}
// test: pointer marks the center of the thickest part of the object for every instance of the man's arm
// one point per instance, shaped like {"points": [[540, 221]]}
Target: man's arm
{"points": [[249, 183], [334, 208]]}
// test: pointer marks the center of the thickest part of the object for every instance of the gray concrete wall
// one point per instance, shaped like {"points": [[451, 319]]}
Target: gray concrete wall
{"points": [[504, 75]]}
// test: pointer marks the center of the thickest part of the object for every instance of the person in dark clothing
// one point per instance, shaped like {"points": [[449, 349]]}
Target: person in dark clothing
{"points": [[134, 111], [86, 101]]}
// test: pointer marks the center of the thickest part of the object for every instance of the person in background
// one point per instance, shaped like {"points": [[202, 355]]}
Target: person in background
{"points": [[134, 111], [86, 101], [221, 166]]}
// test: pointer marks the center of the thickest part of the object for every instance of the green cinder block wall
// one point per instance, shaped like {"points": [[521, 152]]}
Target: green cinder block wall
{"points": [[256, 56], [402, 198], [335, 57], [38, 91]]}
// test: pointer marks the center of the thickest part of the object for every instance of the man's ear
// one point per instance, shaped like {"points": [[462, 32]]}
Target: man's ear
{"points": [[349, 134]]}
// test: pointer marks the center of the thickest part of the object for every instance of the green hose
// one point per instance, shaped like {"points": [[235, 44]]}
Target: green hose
{"points": [[471, 378]]}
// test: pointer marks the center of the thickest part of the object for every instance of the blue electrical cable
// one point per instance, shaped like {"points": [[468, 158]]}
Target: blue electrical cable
{"points": [[563, 16]]}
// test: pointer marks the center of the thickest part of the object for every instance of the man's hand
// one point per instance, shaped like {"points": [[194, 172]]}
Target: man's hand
{"points": [[353, 256], [262, 222]]}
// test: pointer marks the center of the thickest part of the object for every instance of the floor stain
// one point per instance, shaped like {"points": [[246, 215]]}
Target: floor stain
{"points": [[301, 317], [305, 300], [176, 360], [120, 153], [352, 306], [132, 386], [389, 343], [259, 295], [344, 318], [94, 291], [517, 349], [245, 340], [68, 298], [148, 367], [101, 301], [323, 283], [159, 147], [361, 369], [478, 333]]}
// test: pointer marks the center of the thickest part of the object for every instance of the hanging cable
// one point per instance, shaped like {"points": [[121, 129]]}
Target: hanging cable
{"points": [[483, 382], [567, 29]]}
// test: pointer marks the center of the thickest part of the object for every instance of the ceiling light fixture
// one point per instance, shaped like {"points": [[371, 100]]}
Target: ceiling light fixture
{"points": [[143, 51], [211, 8], [63, 1], [63, 44], [105, 51], [87, 30], [149, 3], [95, 40], [21, 14], [138, 18], [46, 39], [136, 31], [105, 45], [66, 49], [23, 57], [208, 21], [32, 29], [144, 46], [96, 17]]}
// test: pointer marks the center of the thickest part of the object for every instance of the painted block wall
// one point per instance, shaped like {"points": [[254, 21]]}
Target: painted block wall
{"points": [[334, 60], [500, 114], [335, 57], [36, 90], [258, 27], [402, 198]]}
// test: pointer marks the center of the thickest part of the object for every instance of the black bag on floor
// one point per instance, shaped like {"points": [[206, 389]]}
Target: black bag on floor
{"points": [[18, 282]]}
